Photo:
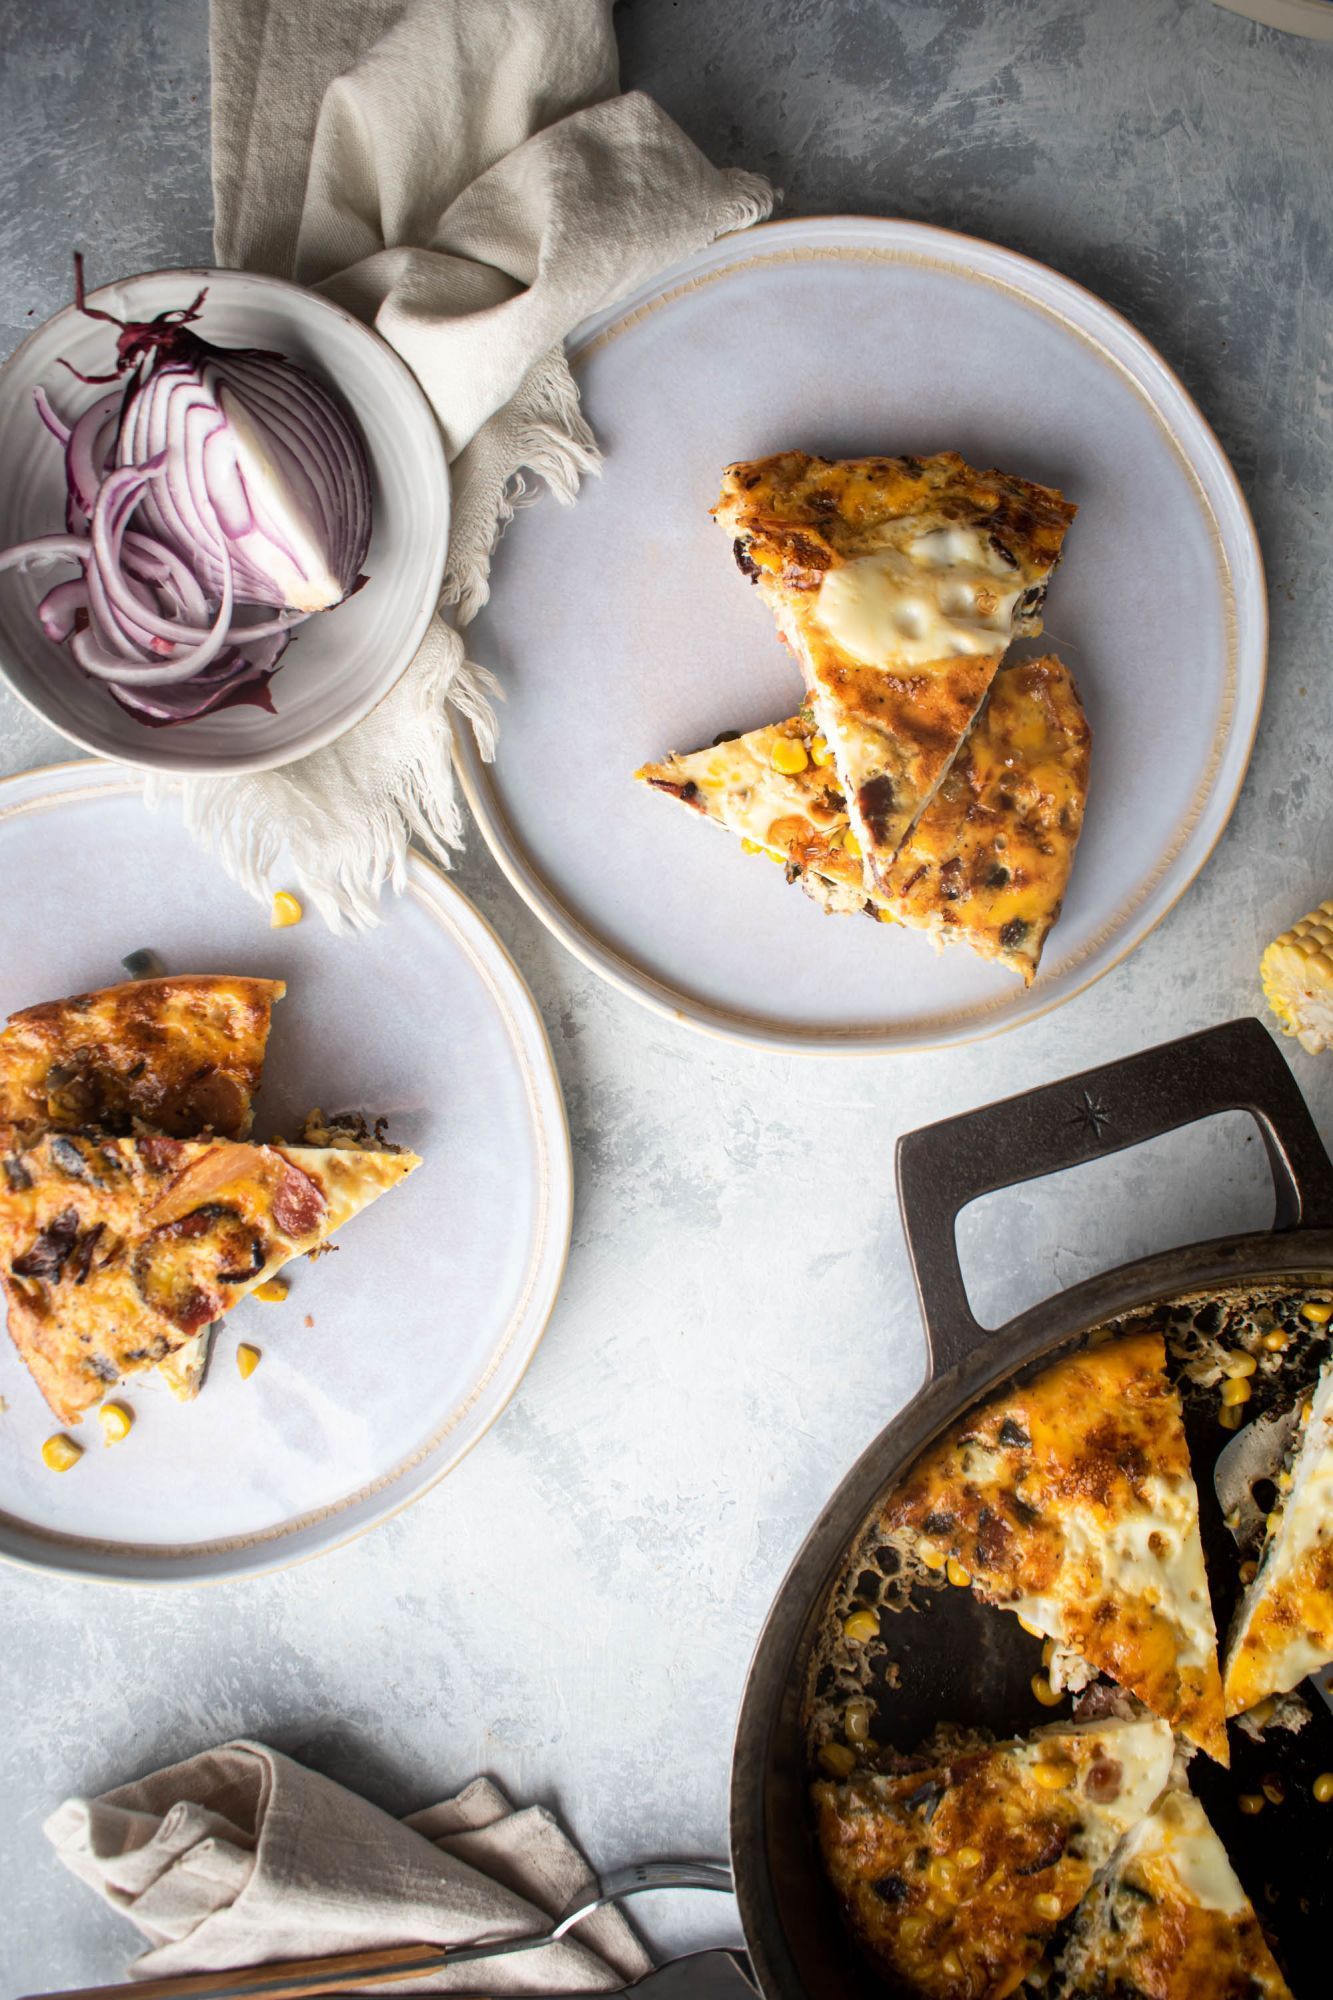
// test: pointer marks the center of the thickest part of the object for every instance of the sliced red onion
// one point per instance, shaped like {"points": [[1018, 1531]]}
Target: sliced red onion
{"points": [[213, 479]]}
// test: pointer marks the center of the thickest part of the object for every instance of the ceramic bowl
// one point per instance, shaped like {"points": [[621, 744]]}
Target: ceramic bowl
{"points": [[340, 664]]}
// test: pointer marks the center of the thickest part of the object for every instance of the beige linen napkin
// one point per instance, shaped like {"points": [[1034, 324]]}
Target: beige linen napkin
{"points": [[461, 175], [240, 1855]]}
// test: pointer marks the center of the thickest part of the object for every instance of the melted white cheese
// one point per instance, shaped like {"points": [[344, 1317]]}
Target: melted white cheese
{"points": [[942, 594], [1178, 1836], [1142, 1748]]}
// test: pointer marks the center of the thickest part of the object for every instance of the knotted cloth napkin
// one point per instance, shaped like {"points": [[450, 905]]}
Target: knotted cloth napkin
{"points": [[462, 175], [240, 1856]]}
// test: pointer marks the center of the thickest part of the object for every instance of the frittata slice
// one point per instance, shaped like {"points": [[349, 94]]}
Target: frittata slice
{"points": [[116, 1253], [955, 1878], [898, 583], [1169, 1920], [1069, 1500]]}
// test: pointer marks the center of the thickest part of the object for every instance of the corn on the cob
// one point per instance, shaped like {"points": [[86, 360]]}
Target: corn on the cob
{"points": [[1297, 974]]}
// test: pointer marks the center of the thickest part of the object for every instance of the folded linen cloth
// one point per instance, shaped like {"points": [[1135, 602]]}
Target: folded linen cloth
{"points": [[241, 1855], [460, 174]]}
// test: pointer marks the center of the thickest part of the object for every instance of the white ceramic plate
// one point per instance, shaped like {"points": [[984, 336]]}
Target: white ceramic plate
{"points": [[341, 663], [426, 1318], [622, 629]]}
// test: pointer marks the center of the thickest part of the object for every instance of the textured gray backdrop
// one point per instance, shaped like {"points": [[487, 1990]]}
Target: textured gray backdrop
{"points": [[737, 1320]]}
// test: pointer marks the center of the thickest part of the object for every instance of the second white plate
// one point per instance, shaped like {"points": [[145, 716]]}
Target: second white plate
{"points": [[622, 629], [387, 1361]]}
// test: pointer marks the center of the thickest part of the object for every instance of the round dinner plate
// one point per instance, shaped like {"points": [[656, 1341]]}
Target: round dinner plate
{"points": [[388, 1360], [622, 629]]}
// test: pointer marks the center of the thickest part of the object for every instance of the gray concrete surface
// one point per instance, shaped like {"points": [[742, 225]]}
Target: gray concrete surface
{"points": [[738, 1319]]}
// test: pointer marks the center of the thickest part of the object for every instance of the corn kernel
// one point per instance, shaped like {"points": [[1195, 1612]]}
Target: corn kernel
{"points": [[940, 1872], [272, 1292], [1236, 1390], [1248, 1571], [932, 1557], [851, 845], [1047, 1906], [285, 912], [861, 1627], [1317, 1311], [1283, 1482], [1262, 1711], [820, 753], [1273, 1790], [1239, 1363], [856, 1721], [1274, 1521], [955, 1572], [789, 756], [1251, 1803], [1033, 1631], [1323, 1787], [1053, 1774], [883, 916], [1307, 1410], [1044, 1692], [753, 847], [247, 1360], [117, 1421], [951, 1965], [1230, 1415], [1275, 1340], [1048, 1652], [910, 1929], [837, 1759], [968, 1857], [59, 1453]]}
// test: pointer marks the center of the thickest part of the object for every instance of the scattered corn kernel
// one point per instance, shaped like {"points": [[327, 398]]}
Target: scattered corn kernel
{"points": [[285, 912], [820, 753], [837, 1759], [1047, 1906], [1054, 1774], [851, 845], [1044, 1692], [247, 1360], [910, 1929], [968, 1857], [1275, 1340], [1283, 1482], [1248, 1571], [789, 755], [1273, 1790], [1047, 1652], [1323, 1787], [883, 916], [117, 1421], [272, 1292], [1307, 1410], [59, 1453], [1251, 1803], [940, 1872], [753, 847], [861, 1627], [1230, 1415], [856, 1721], [1318, 1311], [1238, 1363], [1236, 1390], [932, 1557], [1274, 1521], [952, 1965], [1033, 1631], [955, 1572]]}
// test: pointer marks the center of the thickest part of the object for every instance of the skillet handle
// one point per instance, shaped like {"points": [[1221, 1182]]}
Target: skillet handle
{"points": [[943, 1167]]}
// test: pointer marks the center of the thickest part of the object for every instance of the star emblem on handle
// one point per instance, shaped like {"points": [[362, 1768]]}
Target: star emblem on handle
{"points": [[1090, 1115]]}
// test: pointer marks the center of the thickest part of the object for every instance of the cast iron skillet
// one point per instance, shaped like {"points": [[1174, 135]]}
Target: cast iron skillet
{"points": [[795, 1936]]}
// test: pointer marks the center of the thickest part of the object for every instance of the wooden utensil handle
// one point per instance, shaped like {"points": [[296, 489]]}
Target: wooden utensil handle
{"points": [[287, 1979]]}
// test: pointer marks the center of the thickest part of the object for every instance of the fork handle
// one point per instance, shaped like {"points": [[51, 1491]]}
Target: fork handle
{"points": [[284, 1979]]}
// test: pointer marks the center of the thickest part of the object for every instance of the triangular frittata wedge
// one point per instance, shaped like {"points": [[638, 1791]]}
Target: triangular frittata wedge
{"points": [[988, 861], [1069, 1500], [955, 1878], [1169, 1920], [181, 1055], [115, 1253], [1284, 1626], [898, 583]]}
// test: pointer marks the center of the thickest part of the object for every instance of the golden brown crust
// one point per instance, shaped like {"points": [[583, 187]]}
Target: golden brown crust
{"points": [[115, 1252], [181, 1055], [1074, 1492], [793, 519]]}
